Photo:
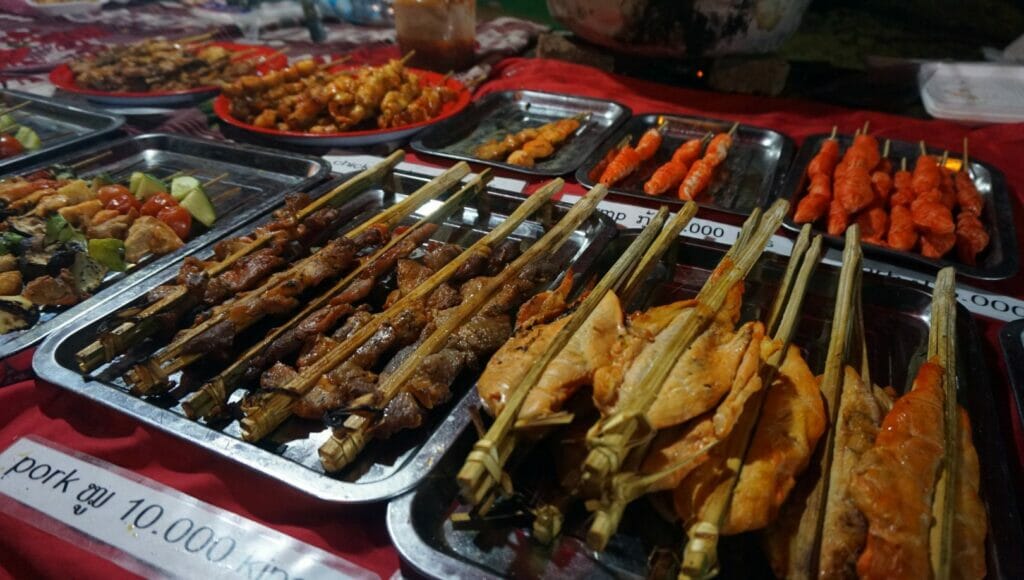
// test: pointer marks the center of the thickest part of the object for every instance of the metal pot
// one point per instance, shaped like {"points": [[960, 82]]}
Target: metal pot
{"points": [[679, 28]]}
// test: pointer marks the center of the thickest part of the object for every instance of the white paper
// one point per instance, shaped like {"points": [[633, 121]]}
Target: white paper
{"points": [[149, 528], [349, 163]]}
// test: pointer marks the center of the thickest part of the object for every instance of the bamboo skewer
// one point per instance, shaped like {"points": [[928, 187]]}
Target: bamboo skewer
{"points": [[484, 467], [666, 237], [212, 395], [277, 406], [700, 555], [117, 341], [847, 308], [942, 344], [89, 160], [17, 107], [151, 376], [612, 437], [628, 487], [338, 452]]}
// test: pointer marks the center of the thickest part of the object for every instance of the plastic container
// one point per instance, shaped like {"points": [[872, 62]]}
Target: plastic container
{"points": [[442, 32], [968, 91]]}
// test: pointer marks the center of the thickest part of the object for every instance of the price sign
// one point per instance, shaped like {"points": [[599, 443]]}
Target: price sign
{"points": [[351, 163], [146, 527]]}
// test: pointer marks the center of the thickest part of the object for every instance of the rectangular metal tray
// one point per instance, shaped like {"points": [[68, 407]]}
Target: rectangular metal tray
{"points": [[262, 176], [753, 170], [387, 468], [897, 319], [1011, 336], [60, 125], [998, 262], [510, 111]]}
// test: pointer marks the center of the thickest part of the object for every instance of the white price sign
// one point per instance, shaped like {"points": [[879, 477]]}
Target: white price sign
{"points": [[978, 301], [149, 528], [348, 163]]}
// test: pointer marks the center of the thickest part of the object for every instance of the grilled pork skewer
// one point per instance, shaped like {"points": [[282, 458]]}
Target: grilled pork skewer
{"points": [[277, 293], [259, 422], [338, 452], [288, 336], [128, 333]]}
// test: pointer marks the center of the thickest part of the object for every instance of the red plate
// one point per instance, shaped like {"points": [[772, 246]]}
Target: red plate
{"points": [[221, 107], [63, 78]]}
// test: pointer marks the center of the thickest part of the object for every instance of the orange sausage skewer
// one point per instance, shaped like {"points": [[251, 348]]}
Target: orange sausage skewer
{"points": [[699, 176], [673, 171], [598, 170]]}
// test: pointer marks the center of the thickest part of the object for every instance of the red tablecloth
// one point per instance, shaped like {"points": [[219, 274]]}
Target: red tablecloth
{"points": [[358, 533]]}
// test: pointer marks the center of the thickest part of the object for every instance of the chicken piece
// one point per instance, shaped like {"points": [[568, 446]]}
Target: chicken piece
{"points": [[705, 373], [927, 175], [971, 237], [844, 529], [824, 163], [545, 306], [149, 235], [74, 193], [791, 422], [902, 234], [683, 386], [10, 283], [521, 158], [932, 217], [937, 245], [641, 330], [79, 215], [971, 524], [854, 192], [575, 365], [538, 148], [104, 225], [792, 419], [50, 291], [894, 483], [677, 452], [874, 224], [838, 219], [967, 195]]}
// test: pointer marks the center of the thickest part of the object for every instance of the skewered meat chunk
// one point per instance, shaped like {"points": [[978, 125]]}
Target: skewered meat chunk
{"points": [[791, 422], [52, 291], [572, 368], [148, 235], [844, 529], [894, 483], [967, 196], [902, 234], [10, 283], [79, 215], [109, 223], [971, 237]]}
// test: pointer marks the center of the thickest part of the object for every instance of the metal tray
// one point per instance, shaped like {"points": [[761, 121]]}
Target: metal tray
{"points": [[508, 112], [59, 124], [897, 319], [263, 176], [1012, 338], [754, 169], [386, 468], [998, 262]]}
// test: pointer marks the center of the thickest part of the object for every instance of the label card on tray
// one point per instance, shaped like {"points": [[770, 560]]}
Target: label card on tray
{"points": [[146, 527]]}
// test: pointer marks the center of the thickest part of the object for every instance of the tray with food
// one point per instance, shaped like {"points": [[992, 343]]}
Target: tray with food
{"points": [[334, 104], [1012, 339], [530, 132], [669, 423], [163, 72], [721, 165], [83, 229], [347, 328], [916, 206], [33, 127]]}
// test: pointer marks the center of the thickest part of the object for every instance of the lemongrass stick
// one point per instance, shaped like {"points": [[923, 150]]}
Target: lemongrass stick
{"points": [[483, 468], [803, 241], [700, 557], [942, 345], [666, 238]]}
